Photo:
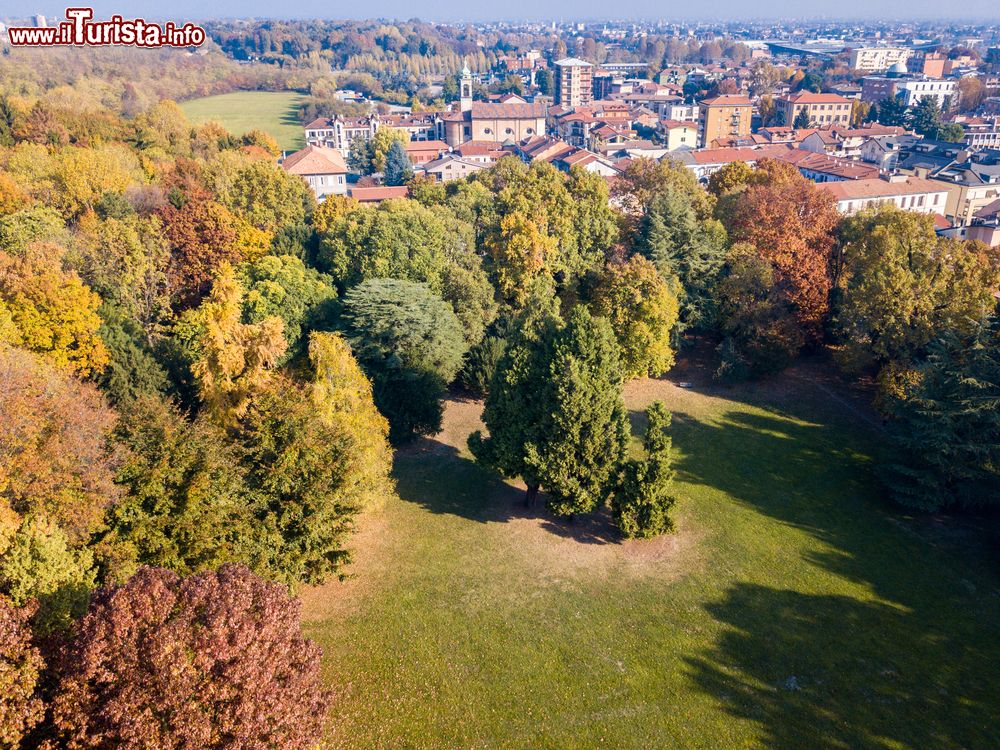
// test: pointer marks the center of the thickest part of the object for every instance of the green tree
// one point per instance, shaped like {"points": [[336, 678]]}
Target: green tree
{"points": [[927, 117], [555, 411], [801, 119], [359, 156], [761, 334], [902, 286], [643, 312], [186, 506], [891, 111], [409, 341], [282, 286], [644, 498], [947, 429], [39, 564], [686, 248], [398, 169]]}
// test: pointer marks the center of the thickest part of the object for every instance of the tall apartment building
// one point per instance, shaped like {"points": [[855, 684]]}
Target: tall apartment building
{"points": [[574, 82], [724, 116], [878, 59], [821, 109]]}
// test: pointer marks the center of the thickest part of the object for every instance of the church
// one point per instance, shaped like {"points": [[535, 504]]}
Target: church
{"points": [[511, 119]]}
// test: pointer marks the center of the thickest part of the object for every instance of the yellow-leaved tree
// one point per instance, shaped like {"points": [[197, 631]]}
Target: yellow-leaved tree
{"points": [[236, 358]]}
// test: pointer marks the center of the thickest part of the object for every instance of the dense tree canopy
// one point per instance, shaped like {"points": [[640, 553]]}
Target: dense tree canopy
{"points": [[215, 660]]}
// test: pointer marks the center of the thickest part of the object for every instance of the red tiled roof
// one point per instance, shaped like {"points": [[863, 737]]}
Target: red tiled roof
{"points": [[488, 111], [380, 193], [879, 188], [727, 100], [426, 146], [810, 97], [315, 160], [726, 155]]}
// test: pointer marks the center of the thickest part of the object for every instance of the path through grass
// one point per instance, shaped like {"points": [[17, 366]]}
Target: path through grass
{"points": [[791, 610]]}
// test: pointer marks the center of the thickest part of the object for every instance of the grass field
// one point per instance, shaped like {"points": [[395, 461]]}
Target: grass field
{"points": [[792, 609], [274, 112]]}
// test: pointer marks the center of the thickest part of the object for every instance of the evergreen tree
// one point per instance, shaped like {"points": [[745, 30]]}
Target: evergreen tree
{"points": [[948, 430], [801, 119], [684, 248], [359, 156], [927, 117], [555, 411], [891, 111], [411, 344], [398, 169], [642, 502]]}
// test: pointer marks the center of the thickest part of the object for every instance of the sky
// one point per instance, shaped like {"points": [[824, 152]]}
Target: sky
{"points": [[452, 10]]}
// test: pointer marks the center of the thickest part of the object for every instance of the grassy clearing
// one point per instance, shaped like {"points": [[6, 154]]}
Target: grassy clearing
{"points": [[791, 610], [275, 112]]}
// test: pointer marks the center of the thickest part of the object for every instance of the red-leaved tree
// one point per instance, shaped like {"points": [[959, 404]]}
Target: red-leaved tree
{"points": [[20, 663], [215, 660], [791, 223]]}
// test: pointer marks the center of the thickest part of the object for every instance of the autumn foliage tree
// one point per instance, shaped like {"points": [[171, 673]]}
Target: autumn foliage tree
{"points": [[790, 222], [643, 311], [53, 311], [20, 664], [213, 661], [54, 454]]}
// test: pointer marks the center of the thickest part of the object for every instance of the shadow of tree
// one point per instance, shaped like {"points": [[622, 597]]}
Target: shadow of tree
{"points": [[914, 667], [436, 476]]}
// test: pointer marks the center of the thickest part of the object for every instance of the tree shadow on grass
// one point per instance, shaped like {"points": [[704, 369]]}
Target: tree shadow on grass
{"points": [[917, 666], [823, 671], [435, 476]]}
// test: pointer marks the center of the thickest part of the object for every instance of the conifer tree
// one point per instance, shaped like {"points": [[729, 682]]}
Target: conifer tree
{"points": [[948, 430], [555, 411], [644, 498], [398, 169]]}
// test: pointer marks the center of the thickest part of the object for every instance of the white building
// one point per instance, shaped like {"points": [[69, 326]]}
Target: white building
{"points": [[323, 168], [878, 59], [912, 92], [908, 193]]}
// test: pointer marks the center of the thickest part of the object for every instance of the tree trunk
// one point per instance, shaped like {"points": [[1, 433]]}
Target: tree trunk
{"points": [[530, 495]]}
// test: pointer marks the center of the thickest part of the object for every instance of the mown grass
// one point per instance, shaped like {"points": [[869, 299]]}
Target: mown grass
{"points": [[793, 608], [275, 112]]}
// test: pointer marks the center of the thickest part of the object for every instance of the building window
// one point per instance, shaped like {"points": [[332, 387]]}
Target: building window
{"points": [[487, 130], [529, 131], [509, 131]]}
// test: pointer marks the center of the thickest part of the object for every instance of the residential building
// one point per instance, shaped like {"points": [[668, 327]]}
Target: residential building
{"points": [[574, 85], [378, 193], [820, 109], [421, 152], [677, 135], [972, 181], [878, 59], [908, 193], [706, 162], [724, 116], [322, 168], [451, 167], [985, 225]]}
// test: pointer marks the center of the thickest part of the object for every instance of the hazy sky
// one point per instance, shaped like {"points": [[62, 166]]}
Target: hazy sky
{"points": [[446, 10]]}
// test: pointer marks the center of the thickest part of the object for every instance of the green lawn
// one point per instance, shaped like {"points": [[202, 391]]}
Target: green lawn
{"points": [[274, 112], [792, 610]]}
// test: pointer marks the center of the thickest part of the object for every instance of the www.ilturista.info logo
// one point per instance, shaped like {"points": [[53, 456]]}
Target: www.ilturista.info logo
{"points": [[80, 30]]}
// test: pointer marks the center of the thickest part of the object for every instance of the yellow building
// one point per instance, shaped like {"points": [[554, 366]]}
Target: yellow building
{"points": [[822, 110], [724, 116]]}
